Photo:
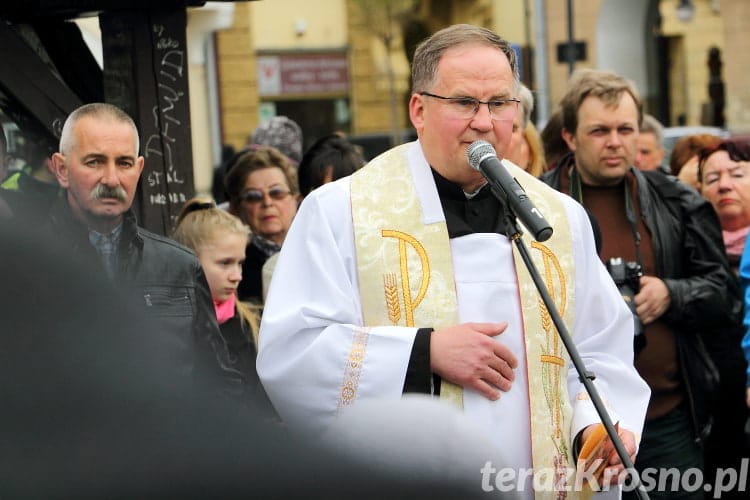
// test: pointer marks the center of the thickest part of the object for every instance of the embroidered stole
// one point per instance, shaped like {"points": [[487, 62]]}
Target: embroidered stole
{"points": [[405, 275]]}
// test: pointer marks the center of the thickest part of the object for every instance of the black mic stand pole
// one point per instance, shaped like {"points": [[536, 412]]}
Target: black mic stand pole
{"points": [[586, 377]]}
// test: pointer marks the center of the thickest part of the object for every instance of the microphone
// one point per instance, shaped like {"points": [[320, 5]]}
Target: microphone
{"points": [[482, 157]]}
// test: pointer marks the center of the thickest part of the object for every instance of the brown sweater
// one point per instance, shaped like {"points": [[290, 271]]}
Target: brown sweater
{"points": [[657, 363]]}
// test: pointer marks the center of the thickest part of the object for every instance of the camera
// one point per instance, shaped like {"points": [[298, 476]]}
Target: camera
{"points": [[627, 277]]}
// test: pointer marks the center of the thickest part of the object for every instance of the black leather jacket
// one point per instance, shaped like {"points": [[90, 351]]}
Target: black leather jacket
{"points": [[691, 260], [163, 277]]}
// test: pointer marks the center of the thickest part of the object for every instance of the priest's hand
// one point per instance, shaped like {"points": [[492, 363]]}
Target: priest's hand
{"points": [[614, 467], [468, 356], [653, 299]]}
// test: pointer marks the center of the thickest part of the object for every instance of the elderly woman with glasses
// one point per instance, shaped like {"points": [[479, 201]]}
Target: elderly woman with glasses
{"points": [[263, 193]]}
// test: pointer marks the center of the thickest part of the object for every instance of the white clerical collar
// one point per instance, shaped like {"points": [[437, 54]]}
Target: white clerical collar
{"points": [[472, 195]]}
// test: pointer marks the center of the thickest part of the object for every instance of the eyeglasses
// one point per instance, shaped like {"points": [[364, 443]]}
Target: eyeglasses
{"points": [[255, 196], [466, 107]]}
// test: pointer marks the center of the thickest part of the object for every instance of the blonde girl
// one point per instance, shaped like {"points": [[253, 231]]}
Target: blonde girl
{"points": [[219, 240]]}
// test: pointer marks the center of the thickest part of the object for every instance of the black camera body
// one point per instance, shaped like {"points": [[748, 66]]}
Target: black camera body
{"points": [[627, 277]]}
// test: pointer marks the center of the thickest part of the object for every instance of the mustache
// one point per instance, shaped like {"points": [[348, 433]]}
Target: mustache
{"points": [[101, 191]]}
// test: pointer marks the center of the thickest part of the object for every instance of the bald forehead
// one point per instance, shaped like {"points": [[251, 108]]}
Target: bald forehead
{"points": [[108, 127], [476, 62]]}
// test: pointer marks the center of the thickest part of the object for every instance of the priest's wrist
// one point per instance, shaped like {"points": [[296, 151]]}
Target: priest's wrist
{"points": [[419, 377]]}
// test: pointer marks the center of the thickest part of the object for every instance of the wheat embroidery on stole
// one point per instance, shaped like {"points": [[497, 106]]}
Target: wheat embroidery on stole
{"points": [[553, 363]]}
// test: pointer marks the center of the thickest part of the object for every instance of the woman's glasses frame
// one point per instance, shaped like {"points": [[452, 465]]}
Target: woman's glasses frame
{"points": [[255, 196]]}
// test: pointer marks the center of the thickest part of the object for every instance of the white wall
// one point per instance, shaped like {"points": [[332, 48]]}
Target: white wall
{"points": [[621, 40]]}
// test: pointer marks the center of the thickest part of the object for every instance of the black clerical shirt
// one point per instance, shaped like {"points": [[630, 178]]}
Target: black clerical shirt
{"points": [[479, 214]]}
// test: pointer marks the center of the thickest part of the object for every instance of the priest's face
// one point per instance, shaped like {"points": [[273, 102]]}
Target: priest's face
{"points": [[473, 71]]}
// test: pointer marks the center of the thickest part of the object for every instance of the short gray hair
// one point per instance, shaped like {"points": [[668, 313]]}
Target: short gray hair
{"points": [[651, 125], [428, 53], [96, 110], [527, 103]]}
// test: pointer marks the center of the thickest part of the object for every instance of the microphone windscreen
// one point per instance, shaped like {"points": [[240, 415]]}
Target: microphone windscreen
{"points": [[478, 151]]}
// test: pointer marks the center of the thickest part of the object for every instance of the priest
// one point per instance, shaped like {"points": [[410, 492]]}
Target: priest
{"points": [[401, 278]]}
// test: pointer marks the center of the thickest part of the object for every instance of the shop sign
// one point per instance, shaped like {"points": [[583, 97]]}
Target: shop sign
{"points": [[299, 74]]}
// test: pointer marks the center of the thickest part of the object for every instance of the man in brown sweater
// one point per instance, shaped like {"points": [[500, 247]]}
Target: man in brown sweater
{"points": [[685, 293]]}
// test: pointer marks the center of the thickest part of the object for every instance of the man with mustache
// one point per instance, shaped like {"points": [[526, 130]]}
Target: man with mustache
{"points": [[686, 295], [98, 166]]}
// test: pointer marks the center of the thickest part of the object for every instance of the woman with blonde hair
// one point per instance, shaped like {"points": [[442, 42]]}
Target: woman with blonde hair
{"points": [[219, 240]]}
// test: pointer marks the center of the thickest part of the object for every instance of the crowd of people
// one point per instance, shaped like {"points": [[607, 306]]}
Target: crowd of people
{"points": [[316, 282]]}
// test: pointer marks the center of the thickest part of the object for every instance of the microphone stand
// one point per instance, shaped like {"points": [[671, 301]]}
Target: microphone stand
{"points": [[586, 377]]}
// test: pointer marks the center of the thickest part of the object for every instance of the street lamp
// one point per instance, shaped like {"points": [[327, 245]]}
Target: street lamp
{"points": [[685, 11]]}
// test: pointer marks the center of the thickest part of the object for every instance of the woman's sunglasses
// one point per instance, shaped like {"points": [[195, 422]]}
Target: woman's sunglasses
{"points": [[254, 196]]}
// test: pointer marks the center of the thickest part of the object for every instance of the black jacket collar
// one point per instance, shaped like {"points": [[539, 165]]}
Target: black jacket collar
{"points": [[62, 218]]}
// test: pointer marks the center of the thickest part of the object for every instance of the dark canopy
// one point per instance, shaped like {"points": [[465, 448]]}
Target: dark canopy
{"points": [[48, 71]]}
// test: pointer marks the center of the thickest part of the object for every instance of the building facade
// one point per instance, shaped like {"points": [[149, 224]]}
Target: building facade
{"points": [[343, 65]]}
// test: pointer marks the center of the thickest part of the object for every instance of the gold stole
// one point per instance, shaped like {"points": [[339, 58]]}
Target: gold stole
{"points": [[406, 279]]}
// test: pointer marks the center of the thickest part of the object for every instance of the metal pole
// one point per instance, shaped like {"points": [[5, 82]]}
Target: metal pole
{"points": [[586, 377], [571, 50], [540, 64]]}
